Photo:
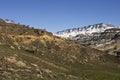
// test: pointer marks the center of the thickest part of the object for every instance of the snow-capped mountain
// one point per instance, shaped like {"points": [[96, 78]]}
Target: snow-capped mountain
{"points": [[86, 30]]}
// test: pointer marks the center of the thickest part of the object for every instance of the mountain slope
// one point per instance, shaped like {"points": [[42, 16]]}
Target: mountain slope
{"points": [[35, 54], [86, 30]]}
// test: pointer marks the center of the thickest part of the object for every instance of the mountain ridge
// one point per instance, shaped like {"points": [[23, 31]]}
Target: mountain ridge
{"points": [[86, 30]]}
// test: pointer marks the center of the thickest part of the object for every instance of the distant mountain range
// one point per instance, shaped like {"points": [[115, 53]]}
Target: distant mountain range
{"points": [[86, 30]]}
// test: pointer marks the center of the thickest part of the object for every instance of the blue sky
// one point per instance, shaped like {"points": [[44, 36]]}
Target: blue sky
{"points": [[56, 15]]}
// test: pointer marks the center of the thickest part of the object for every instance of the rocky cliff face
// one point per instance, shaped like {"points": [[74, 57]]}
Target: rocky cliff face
{"points": [[91, 34]]}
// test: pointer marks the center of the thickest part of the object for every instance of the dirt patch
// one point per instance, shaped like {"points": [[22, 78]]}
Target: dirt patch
{"points": [[13, 60]]}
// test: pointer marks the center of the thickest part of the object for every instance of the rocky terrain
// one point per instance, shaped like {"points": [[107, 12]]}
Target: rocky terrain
{"points": [[91, 34], [35, 54]]}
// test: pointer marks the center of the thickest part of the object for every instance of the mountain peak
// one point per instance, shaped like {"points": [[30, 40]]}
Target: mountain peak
{"points": [[68, 33]]}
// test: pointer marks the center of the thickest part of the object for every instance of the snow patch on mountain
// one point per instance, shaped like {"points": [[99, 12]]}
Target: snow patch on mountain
{"points": [[86, 30]]}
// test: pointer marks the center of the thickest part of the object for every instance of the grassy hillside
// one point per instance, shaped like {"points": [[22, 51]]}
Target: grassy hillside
{"points": [[35, 54]]}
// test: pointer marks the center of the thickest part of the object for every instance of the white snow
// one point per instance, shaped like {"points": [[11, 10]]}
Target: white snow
{"points": [[83, 30]]}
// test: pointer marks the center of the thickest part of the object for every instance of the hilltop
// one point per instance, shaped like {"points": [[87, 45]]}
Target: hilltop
{"points": [[35, 54]]}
